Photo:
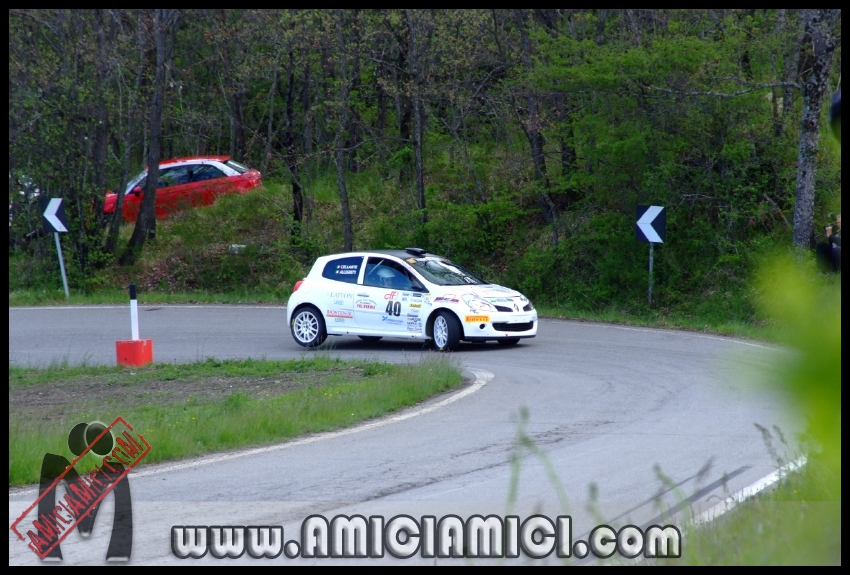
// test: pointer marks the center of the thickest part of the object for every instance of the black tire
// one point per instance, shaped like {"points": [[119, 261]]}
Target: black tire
{"points": [[446, 331], [508, 341], [308, 327], [370, 337]]}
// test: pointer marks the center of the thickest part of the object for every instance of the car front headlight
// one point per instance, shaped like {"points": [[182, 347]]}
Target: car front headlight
{"points": [[477, 304]]}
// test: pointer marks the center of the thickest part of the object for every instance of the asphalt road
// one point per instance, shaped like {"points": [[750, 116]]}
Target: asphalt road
{"points": [[630, 426]]}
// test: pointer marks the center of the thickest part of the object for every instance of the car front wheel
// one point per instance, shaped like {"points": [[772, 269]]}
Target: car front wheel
{"points": [[447, 332], [308, 327]]}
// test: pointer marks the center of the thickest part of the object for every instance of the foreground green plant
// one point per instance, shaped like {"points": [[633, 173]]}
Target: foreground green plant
{"points": [[799, 523], [340, 394]]}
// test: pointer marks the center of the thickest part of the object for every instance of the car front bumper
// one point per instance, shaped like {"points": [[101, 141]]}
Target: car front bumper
{"points": [[499, 325]]}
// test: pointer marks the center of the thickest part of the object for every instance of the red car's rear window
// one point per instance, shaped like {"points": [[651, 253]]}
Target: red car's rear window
{"points": [[237, 166]]}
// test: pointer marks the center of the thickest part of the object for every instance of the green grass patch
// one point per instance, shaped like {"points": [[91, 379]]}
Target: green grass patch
{"points": [[186, 410], [36, 297], [63, 373]]}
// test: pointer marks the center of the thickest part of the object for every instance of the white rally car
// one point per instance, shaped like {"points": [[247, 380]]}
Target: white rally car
{"points": [[407, 294]]}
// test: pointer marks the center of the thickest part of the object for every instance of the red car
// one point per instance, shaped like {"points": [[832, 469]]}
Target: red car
{"points": [[186, 182]]}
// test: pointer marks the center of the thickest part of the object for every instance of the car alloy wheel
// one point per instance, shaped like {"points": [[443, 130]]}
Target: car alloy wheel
{"points": [[308, 327], [446, 332]]}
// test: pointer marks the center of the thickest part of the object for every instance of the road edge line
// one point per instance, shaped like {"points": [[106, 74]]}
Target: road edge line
{"points": [[735, 499]]}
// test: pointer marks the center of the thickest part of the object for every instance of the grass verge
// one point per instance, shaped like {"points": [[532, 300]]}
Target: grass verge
{"points": [[45, 297], [797, 523], [713, 325], [190, 409]]}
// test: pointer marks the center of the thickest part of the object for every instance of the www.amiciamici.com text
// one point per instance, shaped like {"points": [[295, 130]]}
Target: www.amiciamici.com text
{"points": [[403, 537]]}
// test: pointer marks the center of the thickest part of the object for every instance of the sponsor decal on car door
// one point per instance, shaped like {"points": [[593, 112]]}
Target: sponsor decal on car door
{"points": [[387, 284], [342, 294], [339, 310], [381, 310]]}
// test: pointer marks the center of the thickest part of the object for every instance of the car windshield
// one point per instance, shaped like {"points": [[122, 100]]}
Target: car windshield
{"points": [[443, 272]]}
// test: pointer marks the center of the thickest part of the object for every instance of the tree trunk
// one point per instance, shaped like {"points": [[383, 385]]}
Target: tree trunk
{"points": [[291, 152], [532, 129], [568, 155], [235, 92], [111, 244], [90, 232], [417, 155], [306, 98], [146, 221], [600, 27], [267, 152], [239, 135], [404, 107], [102, 126], [820, 39], [382, 109], [415, 75], [342, 121], [791, 69]]}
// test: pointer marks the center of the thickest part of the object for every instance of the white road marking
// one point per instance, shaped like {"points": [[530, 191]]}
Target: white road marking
{"points": [[733, 500]]}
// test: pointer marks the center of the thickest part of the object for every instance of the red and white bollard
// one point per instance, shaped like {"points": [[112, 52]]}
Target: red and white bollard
{"points": [[135, 352]]}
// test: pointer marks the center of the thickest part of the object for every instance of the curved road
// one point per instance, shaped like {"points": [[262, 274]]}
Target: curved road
{"points": [[633, 424]]}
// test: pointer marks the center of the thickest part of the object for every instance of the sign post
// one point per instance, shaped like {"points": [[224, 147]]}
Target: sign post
{"points": [[54, 220], [651, 227]]}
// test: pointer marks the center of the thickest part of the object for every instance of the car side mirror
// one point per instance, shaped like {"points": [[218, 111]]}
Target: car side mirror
{"points": [[417, 286], [137, 191]]}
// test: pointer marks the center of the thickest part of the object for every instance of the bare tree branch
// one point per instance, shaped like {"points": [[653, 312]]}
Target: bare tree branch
{"points": [[724, 94]]}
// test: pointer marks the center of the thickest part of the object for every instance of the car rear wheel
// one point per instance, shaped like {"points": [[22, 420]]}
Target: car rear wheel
{"points": [[370, 337], [447, 332], [508, 341], [308, 327]]}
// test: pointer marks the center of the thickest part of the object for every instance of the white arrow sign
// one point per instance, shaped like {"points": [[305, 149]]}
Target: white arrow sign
{"points": [[50, 215], [645, 224]]}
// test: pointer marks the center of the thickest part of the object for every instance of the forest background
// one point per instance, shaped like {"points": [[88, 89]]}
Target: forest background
{"points": [[517, 142]]}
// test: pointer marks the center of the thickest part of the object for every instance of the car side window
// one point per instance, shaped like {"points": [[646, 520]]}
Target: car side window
{"points": [[173, 176], [205, 172], [345, 270], [388, 274]]}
